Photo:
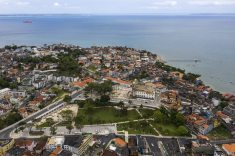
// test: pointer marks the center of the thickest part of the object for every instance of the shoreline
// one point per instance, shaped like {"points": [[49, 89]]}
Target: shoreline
{"points": [[160, 58]]}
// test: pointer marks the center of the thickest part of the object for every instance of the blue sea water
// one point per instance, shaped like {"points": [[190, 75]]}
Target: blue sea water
{"points": [[208, 38]]}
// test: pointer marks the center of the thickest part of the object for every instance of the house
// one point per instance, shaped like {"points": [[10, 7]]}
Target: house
{"points": [[40, 147], [71, 143], [119, 84], [229, 149], [23, 112], [82, 84], [6, 145], [57, 151], [218, 151], [4, 92], [225, 118], [109, 153], [230, 110], [205, 129], [26, 144], [54, 142]]}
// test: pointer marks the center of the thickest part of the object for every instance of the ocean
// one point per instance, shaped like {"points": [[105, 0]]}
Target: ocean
{"points": [[177, 39]]}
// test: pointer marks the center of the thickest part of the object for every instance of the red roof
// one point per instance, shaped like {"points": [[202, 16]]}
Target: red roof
{"points": [[83, 83], [118, 80]]}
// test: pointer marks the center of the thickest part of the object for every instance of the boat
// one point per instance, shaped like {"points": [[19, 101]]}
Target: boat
{"points": [[27, 21]]}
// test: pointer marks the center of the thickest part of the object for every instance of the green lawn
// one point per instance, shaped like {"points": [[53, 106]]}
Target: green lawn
{"points": [[45, 124], [219, 133], [104, 115], [141, 127], [147, 113], [167, 129]]}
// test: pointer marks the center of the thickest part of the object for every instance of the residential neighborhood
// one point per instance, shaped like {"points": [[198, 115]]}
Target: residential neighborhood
{"points": [[63, 99]]}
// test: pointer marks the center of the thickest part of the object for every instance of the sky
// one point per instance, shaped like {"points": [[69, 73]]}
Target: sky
{"points": [[116, 6]]}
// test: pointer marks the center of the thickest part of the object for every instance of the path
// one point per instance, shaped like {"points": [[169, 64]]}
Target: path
{"points": [[148, 122]]}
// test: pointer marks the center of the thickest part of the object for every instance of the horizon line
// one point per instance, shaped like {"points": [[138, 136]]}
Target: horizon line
{"points": [[117, 14]]}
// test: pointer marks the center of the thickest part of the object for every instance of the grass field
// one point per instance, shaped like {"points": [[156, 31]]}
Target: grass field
{"points": [[105, 115], [147, 113], [219, 133], [141, 127], [167, 129]]}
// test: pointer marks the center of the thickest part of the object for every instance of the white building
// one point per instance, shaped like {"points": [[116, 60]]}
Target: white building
{"points": [[4, 92], [54, 142], [144, 91]]}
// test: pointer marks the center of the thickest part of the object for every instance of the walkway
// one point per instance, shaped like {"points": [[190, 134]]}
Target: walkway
{"points": [[148, 122]]}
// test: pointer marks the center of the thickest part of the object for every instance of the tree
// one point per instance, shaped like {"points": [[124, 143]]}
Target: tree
{"points": [[89, 107], [69, 127], [67, 115], [41, 106], [104, 98], [68, 66], [191, 77], [182, 130], [159, 116], [79, 126], [67, 98], [214, 94], [50, 121], [223, 104], [179, 118], [53, 130]]}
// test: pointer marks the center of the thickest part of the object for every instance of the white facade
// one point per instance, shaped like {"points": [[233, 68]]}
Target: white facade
{"points": [[143, 94], [4, 92]]}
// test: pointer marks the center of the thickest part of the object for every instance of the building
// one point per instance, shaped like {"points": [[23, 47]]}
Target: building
{"points": [[72, 143], [229, 149], [56, 151], [205, 129], [6, 145], [230, 110], [25, 144], [4, 92], [146, 91], [54, 142], [119, 84], [40, 147]]}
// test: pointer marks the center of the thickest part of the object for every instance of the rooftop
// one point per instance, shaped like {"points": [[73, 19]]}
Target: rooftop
{"points": [[229, 147]]}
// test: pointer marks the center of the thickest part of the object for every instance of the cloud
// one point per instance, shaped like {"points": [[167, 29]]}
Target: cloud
{"points": [[21, 3], [163, 4], [56, 4], [4, 2], [212, 2]]}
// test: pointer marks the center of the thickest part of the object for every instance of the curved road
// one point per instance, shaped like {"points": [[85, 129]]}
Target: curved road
{"points": [[5, 133]]}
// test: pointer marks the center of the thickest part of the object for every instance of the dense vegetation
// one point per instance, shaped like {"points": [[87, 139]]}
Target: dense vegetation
{"points": [[170, 122], [10, 119], [168, 68], [191, 77], [104, 88], [67, 63], [7, 83], [68, 66]]}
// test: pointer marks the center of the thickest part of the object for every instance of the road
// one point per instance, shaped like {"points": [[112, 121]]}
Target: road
{"points": [[5, 133]]}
